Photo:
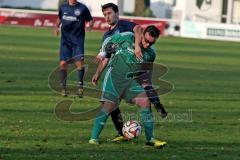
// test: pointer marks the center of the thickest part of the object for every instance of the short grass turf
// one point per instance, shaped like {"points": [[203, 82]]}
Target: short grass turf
{"points": [[203, 123]]}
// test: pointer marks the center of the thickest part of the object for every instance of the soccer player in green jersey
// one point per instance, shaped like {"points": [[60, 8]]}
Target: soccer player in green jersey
{"points": [[121, 64]]}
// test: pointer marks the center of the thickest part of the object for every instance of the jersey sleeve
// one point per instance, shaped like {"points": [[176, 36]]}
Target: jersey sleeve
{"points": [[60, 12], [87, 15], [129, 26], [150, 56], [107, 45]]}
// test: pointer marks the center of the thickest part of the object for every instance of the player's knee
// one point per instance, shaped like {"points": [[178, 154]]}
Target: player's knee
{"points": [[79, 64], [63, 65], [80, 67], [143, 102], [109, 106]]}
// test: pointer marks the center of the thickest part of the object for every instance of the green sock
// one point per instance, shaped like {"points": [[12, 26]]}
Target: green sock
{"points": [[99, 124], [147, 120]]}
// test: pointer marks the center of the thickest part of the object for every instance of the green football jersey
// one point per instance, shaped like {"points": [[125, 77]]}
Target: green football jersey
{"points": [[123, 58]]}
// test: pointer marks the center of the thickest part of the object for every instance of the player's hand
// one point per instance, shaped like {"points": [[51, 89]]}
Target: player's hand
{"points": [[98, 59], [56, 31], [95, 79], [88, 27], [138, 52]]}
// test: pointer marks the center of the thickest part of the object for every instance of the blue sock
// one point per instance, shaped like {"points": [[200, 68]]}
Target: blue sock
{"points": [[99, 123], [147, 120]]}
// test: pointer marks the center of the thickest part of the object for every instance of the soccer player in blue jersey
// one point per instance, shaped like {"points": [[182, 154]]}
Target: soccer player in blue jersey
{"points": [[71, 20], [110, 12], [111, 15]]}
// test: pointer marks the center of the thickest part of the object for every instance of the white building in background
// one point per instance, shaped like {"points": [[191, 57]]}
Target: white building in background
{"points": [[217, 11]]}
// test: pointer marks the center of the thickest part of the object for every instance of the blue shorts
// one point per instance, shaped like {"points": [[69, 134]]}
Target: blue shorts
{"points": [[70, 51]]}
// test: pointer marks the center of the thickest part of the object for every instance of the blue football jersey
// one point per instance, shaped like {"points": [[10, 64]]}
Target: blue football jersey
{"points": [[73, 20], [122, 26]]}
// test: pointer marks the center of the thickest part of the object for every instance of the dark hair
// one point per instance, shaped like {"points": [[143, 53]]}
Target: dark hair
{"points": [[153, 31], [110, 5]]}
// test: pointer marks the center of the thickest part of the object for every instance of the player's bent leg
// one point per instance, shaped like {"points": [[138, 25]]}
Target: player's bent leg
{"points": [[142, 100], [117, 120], [118, 123], [145, 82], [100, 120], [80, 72], [146, 114], [155, 100], [63, 78], [147, 120]]}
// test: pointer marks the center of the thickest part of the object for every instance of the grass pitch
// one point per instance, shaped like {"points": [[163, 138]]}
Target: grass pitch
{"points": [[204, 107]]}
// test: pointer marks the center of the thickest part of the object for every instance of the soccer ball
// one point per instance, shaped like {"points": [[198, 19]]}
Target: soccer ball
{"points": [[131, 129]]}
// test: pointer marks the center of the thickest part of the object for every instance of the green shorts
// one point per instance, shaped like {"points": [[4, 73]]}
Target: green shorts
{"points": [[116, 88]]}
